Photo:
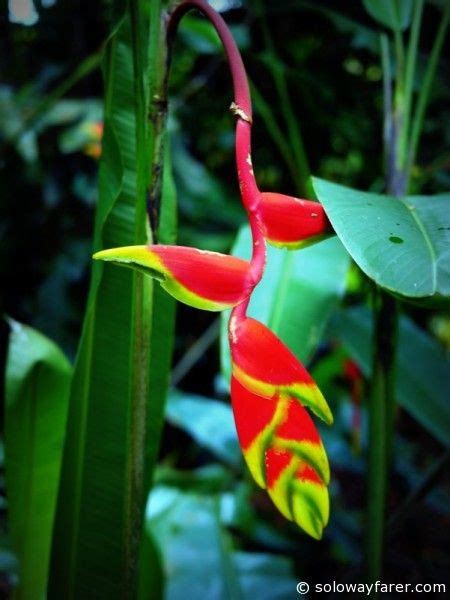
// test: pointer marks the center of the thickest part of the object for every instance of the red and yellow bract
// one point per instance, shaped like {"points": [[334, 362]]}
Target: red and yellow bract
{"points": [[291, 222], [285, 455], [280, 443], [263, 364], [203, 279]]}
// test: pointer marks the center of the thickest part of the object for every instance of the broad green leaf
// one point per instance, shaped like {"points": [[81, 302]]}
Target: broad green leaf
{"points": [[37, 384], [403, 244], [208, 421], [198, 553], [121, 372], [423, 375], [297, 294], [395, 14]]}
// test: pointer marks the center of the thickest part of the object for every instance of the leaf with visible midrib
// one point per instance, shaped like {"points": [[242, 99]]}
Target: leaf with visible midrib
{"points": [[403, 244], [37, 382], [121, 371]]}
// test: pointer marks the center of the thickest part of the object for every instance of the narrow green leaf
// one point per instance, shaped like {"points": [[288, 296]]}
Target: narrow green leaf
{"points": [[297, 295], [121, 373], [36, 398], [403, 244], [423, 372]]}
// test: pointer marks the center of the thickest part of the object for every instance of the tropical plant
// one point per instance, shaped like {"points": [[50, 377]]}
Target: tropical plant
{"points": [[91, 514]]}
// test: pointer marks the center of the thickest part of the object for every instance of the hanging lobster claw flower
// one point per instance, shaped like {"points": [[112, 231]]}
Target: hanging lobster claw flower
{"points": [[265, 366], [281, 445], [292, 223], [284, 454], [202, 279]]}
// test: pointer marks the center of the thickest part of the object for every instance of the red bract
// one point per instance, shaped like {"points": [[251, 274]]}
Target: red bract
{"points": [[206, 280], [291, 222], [284, 453], [263, 364]]}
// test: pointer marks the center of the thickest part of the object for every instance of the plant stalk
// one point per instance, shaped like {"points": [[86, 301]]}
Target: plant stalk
{"points": [[425, 89], [381, 411], [149, 48]]}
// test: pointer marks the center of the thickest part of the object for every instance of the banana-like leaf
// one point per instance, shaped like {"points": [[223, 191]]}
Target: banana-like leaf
{"points": [[37, 385], [121, 372], [403, 244]]}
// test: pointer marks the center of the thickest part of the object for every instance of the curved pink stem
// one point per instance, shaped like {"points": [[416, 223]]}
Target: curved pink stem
{"points": [[242, 100], [242, 109]]}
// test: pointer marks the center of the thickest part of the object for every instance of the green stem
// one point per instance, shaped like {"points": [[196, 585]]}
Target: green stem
{"points": [[149, 46], [382, 408], [382, 385], [411, 60], [141, 319], [425, 89], [158, 73], [389, 146], [395, 172]]}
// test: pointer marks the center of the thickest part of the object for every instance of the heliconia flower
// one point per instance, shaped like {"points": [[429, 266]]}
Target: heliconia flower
{"points": [[285, 455], [265, 366], [291, 222], [202, 279]]}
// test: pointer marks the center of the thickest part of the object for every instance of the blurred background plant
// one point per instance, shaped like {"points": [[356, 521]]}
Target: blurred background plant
{"points": [[318, 95]]}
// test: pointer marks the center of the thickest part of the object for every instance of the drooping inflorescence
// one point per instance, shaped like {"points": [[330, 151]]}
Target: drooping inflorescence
{"points": [[270, 388]]}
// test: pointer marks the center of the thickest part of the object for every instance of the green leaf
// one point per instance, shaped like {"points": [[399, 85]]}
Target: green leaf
{"points": [[121, 373], [395, 14], [198, 552], [208, 421], [423, 375], [403, 244], [36, 398], [297, 294]]}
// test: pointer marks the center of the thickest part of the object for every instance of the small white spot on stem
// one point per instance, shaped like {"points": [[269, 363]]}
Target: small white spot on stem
{"points": [[238, 112], [232, 329]]}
